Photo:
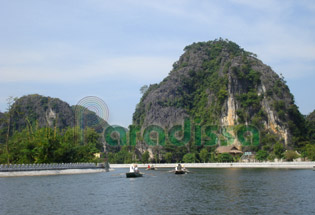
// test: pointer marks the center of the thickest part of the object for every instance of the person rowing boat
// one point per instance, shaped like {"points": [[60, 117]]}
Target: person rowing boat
{"points": [[151, 167], [180, 169], [133, 171]]}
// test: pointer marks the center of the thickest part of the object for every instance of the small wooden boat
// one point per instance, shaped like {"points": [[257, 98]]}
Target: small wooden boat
{"points": [[133, 174], [179, 172], [151, 168]]}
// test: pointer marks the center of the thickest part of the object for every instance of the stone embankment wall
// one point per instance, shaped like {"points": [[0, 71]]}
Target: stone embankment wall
{"points": [[41, 167]]}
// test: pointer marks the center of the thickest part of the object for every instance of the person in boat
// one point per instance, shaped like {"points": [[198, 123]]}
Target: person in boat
{"points": [[131, 169], [149, 166], [178, 167], [136, 168], [183, 168]]}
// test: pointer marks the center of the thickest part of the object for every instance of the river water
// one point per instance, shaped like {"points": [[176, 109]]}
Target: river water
{"points": [[203, 191]]}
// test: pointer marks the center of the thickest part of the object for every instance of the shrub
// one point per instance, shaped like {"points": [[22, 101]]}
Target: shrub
{"points": [[309, 151], [145, 157], [212, 157], [168, 157], [271, 157], [290, 155], [278, 150], [262, 155], [204, 155]]}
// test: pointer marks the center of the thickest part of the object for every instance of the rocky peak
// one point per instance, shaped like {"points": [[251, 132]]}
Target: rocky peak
{"points": [[220, 83]]}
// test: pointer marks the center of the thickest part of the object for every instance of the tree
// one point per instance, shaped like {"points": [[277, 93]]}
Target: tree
{"points": [[144, 89], [282, 79], [47, 145], [212, 157], [262, 155], [278, 150], [309, 151], [204, 155], [145, 157], [168, 157], [10, 102], [225, 157], [189, 158], [179, 153]]}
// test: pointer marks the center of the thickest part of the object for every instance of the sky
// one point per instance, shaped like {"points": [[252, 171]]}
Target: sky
{"points": [[71, 49]]}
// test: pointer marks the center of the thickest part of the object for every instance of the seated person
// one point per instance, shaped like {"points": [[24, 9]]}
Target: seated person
{"points": [[131, 169], [136, 169], [178, 167]]}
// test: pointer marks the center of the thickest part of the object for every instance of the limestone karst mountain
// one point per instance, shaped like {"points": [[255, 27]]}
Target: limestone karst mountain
{"points": [[41, 111], [219, 83]]}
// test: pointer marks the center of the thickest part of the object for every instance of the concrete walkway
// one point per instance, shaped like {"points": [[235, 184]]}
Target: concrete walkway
{"points": [[280, 165]]}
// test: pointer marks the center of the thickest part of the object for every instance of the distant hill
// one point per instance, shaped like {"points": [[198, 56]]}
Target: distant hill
{"points": [[41, 111], [222, 84]]}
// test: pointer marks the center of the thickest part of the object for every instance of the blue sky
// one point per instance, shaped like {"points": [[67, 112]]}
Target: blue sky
{"points": [[75, 48]]}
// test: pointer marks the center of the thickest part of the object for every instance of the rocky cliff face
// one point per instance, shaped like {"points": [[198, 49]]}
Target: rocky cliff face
{"points": [[222, 84]]}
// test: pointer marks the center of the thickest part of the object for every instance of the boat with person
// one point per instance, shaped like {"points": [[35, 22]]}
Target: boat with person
{"points": [[180, 169], [151, 167], [133, 172]]}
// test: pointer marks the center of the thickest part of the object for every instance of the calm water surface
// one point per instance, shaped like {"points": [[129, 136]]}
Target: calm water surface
{"points": [[203, 191]]}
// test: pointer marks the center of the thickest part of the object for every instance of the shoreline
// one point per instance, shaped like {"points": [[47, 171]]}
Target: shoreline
{"points": [[271, 165], [50, 172], [249, 165]]}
